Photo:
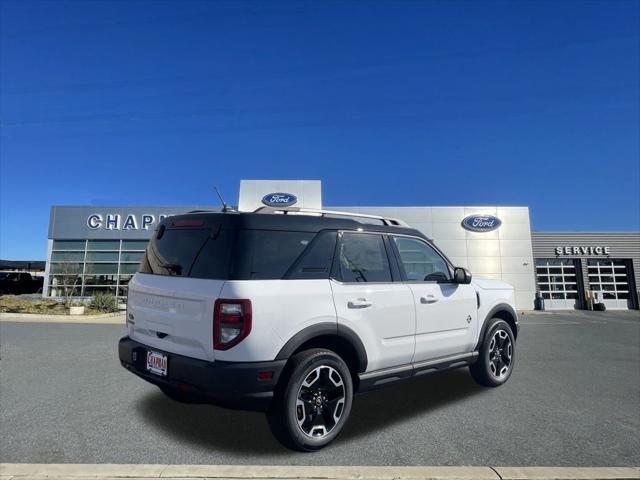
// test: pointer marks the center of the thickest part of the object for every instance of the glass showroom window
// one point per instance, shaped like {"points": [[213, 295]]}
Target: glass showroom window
{"points": [[101, 267], [66, 268], [130, 256], [93, 266]]}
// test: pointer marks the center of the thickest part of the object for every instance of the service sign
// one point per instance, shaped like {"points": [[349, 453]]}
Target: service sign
{"points": [[279, 199], [583, 250], [481, 223]]}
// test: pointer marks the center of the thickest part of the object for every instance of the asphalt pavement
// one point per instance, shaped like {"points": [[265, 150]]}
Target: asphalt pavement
{"points": [[573, 399]]}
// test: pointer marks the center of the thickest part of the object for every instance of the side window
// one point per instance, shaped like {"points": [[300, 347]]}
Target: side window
{"points": [[315, 261], [267, 254], [362, 257], [420, 261]]}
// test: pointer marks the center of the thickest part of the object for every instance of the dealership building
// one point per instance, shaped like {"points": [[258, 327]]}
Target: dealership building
{"points": [[101, 246]]}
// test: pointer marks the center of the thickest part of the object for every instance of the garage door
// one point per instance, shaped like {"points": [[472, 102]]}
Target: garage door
{"points": [[610, 279], [557, 282]]}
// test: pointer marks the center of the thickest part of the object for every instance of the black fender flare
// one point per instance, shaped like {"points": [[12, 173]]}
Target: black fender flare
{"points": [[501, 307], [326, 329]]}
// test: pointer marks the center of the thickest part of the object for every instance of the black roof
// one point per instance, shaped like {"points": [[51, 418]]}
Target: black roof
{"points": [[298, 222]]}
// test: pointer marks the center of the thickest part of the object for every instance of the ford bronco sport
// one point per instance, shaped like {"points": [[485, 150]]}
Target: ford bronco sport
{"points": [[291, 312]]}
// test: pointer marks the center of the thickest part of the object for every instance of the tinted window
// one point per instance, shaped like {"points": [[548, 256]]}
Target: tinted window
{"points": [[172, 251], [214, 258], [267, 254], [223, 254], [420, 261], [315, 262], [363, 258]]}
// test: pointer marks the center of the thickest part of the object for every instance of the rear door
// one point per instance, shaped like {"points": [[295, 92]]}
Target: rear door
{"points": [[445, 311], [368, 301]]}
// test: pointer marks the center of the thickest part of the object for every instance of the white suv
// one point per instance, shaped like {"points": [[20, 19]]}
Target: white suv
{"points": [[292, 312]]}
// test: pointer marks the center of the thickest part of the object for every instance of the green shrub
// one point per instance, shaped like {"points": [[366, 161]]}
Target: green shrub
{"points": [[104, 302]]}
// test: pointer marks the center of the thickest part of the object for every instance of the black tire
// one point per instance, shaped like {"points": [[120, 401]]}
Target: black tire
{"points": [[497, 360], [180, 396], [321, 381]]}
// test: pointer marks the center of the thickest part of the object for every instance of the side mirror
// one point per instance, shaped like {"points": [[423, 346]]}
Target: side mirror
{"points": [[461, 275]]}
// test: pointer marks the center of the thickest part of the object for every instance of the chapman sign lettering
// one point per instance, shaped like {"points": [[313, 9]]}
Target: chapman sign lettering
{"points": [[114, 221], [589, 250]]}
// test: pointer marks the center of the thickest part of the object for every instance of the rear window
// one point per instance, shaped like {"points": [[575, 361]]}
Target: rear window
{"points": [[224, 254], [187, 252]]}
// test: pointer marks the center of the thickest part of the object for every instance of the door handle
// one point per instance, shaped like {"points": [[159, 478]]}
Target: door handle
{"points": [[359, 303], [428, 299]]}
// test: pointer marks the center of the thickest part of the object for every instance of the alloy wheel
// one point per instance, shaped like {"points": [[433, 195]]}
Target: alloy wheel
{"points": [[320, 401], [500, 354]]}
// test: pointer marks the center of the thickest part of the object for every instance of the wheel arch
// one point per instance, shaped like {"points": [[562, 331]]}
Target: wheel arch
{"points": [[503, 311], [335, 337]]}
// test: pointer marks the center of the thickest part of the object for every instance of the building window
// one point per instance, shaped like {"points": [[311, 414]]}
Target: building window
{"points": [[67, 256], [128, 257], [102, 256], [100, 280], [68, 245], [103, 245], [92, 266], [139, 245]]}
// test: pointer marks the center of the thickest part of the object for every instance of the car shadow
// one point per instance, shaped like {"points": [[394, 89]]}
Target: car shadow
{"points": [[383, 408], [216, 428]]}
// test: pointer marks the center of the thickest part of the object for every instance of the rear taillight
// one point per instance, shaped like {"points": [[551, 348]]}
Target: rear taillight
{"points": [[231, 322]]}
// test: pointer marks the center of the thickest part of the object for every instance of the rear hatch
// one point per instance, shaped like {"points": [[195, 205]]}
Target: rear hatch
{"points": [[171, 300], [173, 314]]}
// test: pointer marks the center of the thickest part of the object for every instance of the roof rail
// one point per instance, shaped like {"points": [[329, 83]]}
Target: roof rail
{"points": [[392, 222]]}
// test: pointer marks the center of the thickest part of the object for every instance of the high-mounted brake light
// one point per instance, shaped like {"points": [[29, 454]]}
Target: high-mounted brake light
{"points": [[231, 322], [187, 223]]}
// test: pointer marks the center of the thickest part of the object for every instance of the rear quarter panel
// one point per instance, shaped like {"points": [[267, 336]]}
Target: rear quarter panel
{"points": [[281, 308]]}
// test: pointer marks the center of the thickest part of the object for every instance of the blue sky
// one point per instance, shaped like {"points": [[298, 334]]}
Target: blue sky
{"points": [[388, 103]]}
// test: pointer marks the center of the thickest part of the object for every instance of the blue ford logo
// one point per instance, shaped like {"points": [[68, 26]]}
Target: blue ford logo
{"points": [[279, 199], [481, 223]]}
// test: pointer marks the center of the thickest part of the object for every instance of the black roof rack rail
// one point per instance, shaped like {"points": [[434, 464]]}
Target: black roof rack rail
{"points": [[391, 222]]}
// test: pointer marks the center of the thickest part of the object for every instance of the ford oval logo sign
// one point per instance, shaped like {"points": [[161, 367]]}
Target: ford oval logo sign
{"points": [[481, 223], [279, 199]]}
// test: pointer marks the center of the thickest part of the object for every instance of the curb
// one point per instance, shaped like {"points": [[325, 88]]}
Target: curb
{"points": [[106, 318], [24, 471]]}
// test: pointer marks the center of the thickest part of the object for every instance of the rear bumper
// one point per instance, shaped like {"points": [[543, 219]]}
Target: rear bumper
{"points": [[228, 384]]}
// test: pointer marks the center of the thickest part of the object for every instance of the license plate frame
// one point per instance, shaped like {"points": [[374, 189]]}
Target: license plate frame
{"points": [[157, 363]]}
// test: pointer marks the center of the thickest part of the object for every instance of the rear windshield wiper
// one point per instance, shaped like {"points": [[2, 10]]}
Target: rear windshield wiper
{"points": [[172, 267]]}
